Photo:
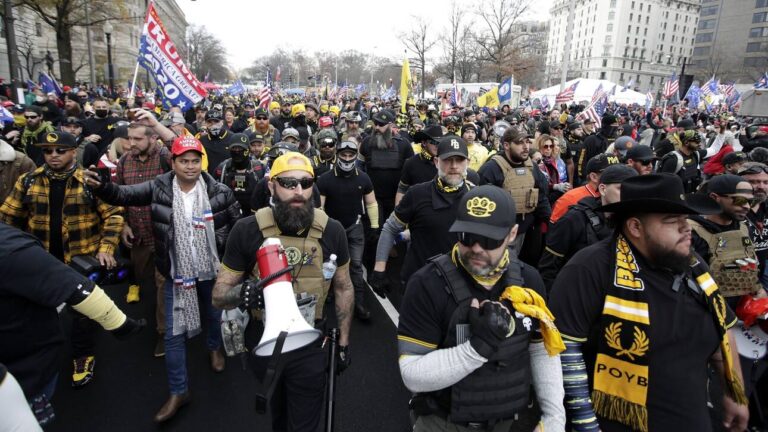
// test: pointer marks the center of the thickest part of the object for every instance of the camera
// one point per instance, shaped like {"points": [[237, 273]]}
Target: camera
{"points": [[91, 268]]}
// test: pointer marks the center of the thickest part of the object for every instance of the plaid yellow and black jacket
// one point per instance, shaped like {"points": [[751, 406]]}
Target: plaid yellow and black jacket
{"points": [[89, 226]]}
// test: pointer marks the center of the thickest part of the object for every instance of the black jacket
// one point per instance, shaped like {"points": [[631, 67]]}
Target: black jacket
{"points": [[158, 194]]}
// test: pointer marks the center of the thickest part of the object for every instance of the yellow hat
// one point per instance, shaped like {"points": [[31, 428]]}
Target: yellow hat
{"points": [[324, 108], [334, 109], [274, 105], [298, 109], [291, 162]]}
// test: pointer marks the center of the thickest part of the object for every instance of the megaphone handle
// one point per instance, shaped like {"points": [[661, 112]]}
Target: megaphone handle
{"points": [[331, 389], [267, 279], [271, 376]]}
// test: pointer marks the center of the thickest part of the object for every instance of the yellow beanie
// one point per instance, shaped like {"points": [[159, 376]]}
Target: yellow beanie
{"points": [[297, 109], [274, 105]]}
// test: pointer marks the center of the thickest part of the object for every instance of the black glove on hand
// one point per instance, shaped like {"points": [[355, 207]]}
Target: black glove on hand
{"points": [[380, 283], [373, 237], [251, 295], [129, 328], [343, 359], [489, 325]]}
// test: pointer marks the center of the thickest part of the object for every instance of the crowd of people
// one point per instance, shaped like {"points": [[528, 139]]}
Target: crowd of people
{"points": [[611, 271]]}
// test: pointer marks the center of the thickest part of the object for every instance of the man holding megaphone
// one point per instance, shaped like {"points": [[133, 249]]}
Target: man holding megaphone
{"points": [[308, 243]]}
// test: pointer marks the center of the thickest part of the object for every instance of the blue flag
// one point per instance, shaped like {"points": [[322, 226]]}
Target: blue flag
{"points": [[693, 96], [505, 91], [763, 81], [48, 84], [31, 85], [236, 89], [5, 115]]}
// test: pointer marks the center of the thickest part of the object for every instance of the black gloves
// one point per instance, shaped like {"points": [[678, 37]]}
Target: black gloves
{"points": [[489, 325], [251, 295], [343, 360], [380, 283], [129, 328]]}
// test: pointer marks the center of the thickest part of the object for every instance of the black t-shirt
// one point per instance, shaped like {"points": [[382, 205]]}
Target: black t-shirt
{"points": [[344, 195], [385, 181], [427, 305], [55, 205], [217, 149], [757, 222], [102, 127], [682, 334], [34, 283], [246, 238], [428, 213], [417, 169]]}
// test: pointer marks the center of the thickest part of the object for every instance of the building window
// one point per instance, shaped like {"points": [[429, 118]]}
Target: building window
{"points": [[633, 5], [631, 15], [38, 29], [629, 29], [623, 64], [758, 32], [704, 37], [760, 17], [608, 39], [709, 10], [613, 3], [609, 28], [755, 61], [647, 20], [761, 3], [605, 62], [602, 74], [756, 47], [612, 15], [622, 77], [645, 32], [710, 23]]}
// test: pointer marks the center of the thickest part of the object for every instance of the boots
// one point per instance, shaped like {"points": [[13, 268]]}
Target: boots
{"points": [[171, 406]]}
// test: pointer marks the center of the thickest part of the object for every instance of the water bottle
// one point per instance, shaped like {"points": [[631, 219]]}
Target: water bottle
{"points": [[329, 267]]}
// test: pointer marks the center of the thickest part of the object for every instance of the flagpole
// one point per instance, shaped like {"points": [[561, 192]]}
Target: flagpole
{"points": [[133, 81], [136, 69]]}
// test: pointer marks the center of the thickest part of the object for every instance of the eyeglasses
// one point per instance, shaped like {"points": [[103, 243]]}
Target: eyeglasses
{"points": [[740, 201], [291, 182], [547, 146], [261, 118], [469, 240], [58, 150], [31, 117]]}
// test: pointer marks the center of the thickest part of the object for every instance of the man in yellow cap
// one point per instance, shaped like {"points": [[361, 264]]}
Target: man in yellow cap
{"points": [[310, 239]]}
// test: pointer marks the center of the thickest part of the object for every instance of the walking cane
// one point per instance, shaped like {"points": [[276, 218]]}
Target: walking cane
{"points": [[331, 389]]}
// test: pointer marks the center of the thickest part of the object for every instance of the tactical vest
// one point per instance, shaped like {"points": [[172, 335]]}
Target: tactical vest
{"points": [[501, 387], [386, 158], [727, 247], [305, 254], [597, 228], [520, 183]]}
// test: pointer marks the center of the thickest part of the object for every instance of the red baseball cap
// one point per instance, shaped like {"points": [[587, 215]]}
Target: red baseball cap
{"points": [[184, 144], [325, 121]]}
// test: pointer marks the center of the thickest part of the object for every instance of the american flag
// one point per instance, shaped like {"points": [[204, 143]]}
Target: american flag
{"points": [[710, 87], [727, 88], [762, 82], [599, 93], [596, 109], [567, 94], [671, 86], [265, 94], [455, 95], [648, 100]]}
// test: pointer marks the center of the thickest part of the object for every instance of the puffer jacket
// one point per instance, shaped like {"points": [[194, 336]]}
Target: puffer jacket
{"points": [[158, 194]]}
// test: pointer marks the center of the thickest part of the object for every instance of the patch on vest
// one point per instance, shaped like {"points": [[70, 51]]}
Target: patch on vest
{"points": [[520, 171], [293, 255]]}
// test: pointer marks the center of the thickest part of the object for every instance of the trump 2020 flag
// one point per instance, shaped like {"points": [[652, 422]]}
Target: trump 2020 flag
{"points": [[236, 89], [158, 55], [48, 84], [505, 91]]}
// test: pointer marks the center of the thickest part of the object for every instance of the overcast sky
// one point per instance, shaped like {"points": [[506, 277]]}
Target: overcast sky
{"points": [[250, 29]]}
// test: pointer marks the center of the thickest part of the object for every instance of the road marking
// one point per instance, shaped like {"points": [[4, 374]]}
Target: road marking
{"points": [[388, 307]]}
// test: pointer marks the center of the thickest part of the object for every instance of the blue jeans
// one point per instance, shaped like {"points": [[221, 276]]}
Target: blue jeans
{"points": [[175, 346]]}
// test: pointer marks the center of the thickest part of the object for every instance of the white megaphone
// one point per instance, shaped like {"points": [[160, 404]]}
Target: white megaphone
{"points": [[280, 309]]}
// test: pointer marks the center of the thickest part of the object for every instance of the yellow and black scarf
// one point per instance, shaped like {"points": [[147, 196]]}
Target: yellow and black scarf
{"points": [[621, 374]]}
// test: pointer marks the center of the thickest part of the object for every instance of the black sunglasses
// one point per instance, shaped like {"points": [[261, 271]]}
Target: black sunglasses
{"points": [[261, 118], [31, 117], [469, 240], [58, 150], [646, 162], [291, 182]]}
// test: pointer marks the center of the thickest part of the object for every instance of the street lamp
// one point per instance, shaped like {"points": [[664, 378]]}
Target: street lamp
{"points": [[108, 32]]}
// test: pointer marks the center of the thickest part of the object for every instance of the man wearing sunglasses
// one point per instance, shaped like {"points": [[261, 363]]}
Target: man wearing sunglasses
{"points": [[641, 158], [34, 133], [460, 339], [262, 127], [325, 160], [54, 204], [309, 238], [757, 219]]}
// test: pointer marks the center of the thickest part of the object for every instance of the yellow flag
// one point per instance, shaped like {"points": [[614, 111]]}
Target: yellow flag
{"points": [[490, 99], [405, 84]]}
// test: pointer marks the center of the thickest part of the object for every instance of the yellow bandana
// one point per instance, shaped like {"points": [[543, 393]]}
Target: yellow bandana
{"points": [[491, 278], [529, 302]]}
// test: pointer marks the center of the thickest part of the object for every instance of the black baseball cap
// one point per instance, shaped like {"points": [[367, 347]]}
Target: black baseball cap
{"points": [[452, 145], [240, 140], [487, 211], [214, 115], [617, 173], [257, 137], [600, 162], [384, 117], [72, 121], [726, 184], [260, 111], [58, 139], [734, 157], [642, 153], [429, 134]]}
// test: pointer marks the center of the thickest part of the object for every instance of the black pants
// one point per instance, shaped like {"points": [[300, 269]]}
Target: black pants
{"points": [[83, 334], [356, 244], [297, 404]]}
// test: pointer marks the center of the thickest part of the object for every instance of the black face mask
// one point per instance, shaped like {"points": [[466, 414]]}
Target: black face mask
{"points": [[101, 113], [239, 158]]}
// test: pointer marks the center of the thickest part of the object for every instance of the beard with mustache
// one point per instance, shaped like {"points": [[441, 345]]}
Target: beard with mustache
{"points": [[451, 180], [661, 257], [291, 219], [384, 139]]}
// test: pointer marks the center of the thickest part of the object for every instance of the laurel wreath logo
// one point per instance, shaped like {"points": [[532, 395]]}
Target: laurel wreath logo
{"points": [[639, 344]]}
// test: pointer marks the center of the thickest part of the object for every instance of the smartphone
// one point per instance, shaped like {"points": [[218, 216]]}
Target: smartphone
{"points": [[105, 176]]}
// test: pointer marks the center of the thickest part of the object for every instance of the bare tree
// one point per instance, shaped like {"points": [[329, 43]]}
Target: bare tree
{"points": [[64, 15], [207, 55], [418, 42], [498, 41], [26, 48]]}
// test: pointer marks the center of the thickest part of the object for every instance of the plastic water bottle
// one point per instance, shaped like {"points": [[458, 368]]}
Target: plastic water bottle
{"points": [[329, 267]]}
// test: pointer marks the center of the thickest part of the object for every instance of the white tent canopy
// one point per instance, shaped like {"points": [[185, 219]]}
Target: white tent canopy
{"points": [[586, 89]]}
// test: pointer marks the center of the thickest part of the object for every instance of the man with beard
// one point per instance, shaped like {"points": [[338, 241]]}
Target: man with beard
{"points": [[420, 167], [192, 215], [641, 158], [54, 204], [325, 160], [426, 210], [315, 237], [599, 142], [145, 161], [261, 126], [99, 129], [240, 172], [513, 171], [757, 217], [352, 121], [582, 226], [72, 106], [35, 130], [641, 314], [299, 121], [575, 146], [216, 139], [685, 160], [346, 194], [469, 330], [383, 155], [279, 122]]}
